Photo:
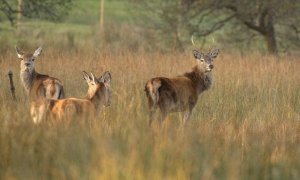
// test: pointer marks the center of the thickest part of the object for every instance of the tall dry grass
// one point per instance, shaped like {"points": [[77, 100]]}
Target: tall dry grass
{"points": [[247, 126]]}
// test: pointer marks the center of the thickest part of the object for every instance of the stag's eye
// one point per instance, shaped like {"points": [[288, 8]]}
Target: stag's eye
{"points": [[202, 60], [32, 59]]}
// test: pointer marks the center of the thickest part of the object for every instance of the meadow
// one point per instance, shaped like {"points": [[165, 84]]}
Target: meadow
{"points": [[247, 126]]}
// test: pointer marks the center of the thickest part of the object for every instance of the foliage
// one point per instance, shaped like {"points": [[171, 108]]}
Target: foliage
{"points": [[51, 10], [166, 20], [157, 25], [42, 9], [274, 22]]}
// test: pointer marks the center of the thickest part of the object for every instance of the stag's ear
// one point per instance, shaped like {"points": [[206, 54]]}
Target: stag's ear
{"points": [[197, 54], [214, 53], [19, 52], [94, 80], [37, 52], [105, 78], [86, 76]]}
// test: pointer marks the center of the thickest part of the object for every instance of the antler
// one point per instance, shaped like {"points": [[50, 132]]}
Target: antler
{"points": [[192, 39]]}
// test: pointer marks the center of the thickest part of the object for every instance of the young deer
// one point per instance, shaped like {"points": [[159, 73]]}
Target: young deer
{"points": [[98, 95], [180, 94], [38, 85]]}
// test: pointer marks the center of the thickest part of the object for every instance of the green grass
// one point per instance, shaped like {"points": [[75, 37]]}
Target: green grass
{"points": [[87, 12], [79, 27], [84, 12]]}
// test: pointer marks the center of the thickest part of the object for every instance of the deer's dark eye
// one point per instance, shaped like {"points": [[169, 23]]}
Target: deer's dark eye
{"points": [[32, 59]]}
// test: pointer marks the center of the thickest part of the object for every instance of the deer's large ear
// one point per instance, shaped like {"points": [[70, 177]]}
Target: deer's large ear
{"points": [[86, 76], [214, 53], [19, 52], [94, 80], [37, 52], [197, 54], [105, 78]]}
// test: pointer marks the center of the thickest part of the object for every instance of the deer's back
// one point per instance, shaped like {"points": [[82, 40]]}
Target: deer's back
{"points": [[176, 94], [71, 107], [45, 86]]}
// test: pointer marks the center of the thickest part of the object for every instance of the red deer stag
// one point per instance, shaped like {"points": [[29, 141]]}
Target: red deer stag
{"points": [[180, 94]]}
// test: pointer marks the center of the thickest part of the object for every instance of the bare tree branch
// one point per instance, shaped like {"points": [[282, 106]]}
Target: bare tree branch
{"points": [[254, 27], [216, 26]]}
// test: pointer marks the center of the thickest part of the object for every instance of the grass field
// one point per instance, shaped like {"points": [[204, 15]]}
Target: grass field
{"points": [[247, 126], [79, 27]]}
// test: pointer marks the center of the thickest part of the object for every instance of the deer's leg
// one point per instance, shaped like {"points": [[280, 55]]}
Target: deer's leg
{"points": [[151, 115], [38, 110], [187, 113], [162, 118], [34, 112], [186, 116]]}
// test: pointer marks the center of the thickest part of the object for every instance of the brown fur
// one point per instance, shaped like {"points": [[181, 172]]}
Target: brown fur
{"points": [[76, 106], [43, 86], [52, 88], [38, 85], [97, 97], [179, 94]]}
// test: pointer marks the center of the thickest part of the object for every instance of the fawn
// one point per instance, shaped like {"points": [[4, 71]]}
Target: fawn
{"points": [[98, 95]]}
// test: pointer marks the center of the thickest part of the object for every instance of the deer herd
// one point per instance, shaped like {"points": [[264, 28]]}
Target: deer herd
{"points": [[174, 94]]}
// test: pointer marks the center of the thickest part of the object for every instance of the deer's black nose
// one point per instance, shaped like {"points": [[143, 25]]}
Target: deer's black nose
{"points": [[211, 66]]}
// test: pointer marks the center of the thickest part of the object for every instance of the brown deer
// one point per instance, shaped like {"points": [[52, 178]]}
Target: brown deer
{"points": [[38, 85], [98, 95], [180, 94]]}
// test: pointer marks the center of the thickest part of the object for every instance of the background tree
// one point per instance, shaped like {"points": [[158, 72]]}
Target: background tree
{"points": [[274, 22], [272, 19], [165, 19], [101, 22], [53, 10]]}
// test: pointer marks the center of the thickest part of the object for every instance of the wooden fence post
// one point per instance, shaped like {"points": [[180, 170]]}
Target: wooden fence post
{"points": [[12, 87]]}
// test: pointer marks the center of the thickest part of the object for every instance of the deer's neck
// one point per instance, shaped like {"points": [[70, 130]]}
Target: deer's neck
{"points": [[96, 99], [201, 80], [27, 79]]}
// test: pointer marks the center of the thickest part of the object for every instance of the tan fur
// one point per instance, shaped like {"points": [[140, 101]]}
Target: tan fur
{"points": [[67, 109], [153, 86], [180, 94], [38, 85]]}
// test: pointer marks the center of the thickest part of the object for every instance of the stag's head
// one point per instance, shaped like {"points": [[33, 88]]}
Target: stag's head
{"points": [[205, 61], [99, 87], [27, 59]]}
